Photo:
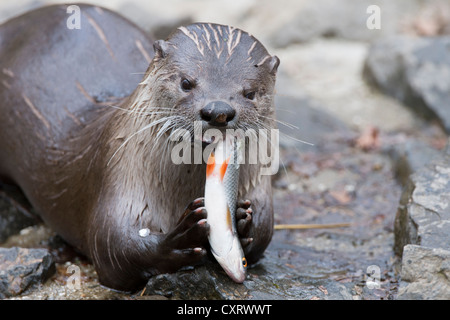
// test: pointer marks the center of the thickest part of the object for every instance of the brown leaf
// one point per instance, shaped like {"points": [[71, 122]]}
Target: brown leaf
{"points": [[342, 196], [369, 139]]}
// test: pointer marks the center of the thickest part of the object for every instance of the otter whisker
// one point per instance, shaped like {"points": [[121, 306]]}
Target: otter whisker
{"points": [[168, 126], [166, 144], [163, 159], [298, 140], [150, 125], [288, 136], [144, 113], [265, 126], [163, 129], [287, 124]]}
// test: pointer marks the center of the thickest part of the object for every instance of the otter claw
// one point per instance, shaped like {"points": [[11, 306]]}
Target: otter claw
{"points": [[245, 242], [196, 204], [245, 204]]}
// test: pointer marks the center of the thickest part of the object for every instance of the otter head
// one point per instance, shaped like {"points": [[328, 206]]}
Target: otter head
{"points": [[216, 74]]}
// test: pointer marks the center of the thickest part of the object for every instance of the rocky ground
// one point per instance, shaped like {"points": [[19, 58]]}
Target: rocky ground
{"points": [[374, 104]]}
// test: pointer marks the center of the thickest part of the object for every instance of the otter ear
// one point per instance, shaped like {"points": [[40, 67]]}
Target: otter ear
{"points": [[274, 63], [161, 48]]}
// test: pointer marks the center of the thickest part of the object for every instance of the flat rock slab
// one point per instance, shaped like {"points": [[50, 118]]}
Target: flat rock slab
{"points": [[21, 269]]}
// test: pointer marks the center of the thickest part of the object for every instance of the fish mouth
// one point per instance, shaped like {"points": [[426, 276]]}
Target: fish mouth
{"points": [[232, 262], [238, 278], [234, 271]]}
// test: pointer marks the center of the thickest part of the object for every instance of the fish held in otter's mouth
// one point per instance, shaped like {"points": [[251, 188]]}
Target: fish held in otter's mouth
{"points": [[221, 189]]}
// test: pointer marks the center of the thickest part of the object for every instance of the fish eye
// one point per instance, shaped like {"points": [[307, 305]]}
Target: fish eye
{"points": [[244, 262]]}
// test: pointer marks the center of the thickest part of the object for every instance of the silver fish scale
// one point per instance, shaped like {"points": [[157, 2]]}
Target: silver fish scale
{"points": [[230, 182]]}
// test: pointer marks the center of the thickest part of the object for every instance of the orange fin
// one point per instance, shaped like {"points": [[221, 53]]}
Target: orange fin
{"points": [[223, 168], [210, 164]]}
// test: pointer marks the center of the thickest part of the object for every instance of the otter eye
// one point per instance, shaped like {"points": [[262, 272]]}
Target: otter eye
{"points": [[244, 262], [186, 85], [250, 95]]}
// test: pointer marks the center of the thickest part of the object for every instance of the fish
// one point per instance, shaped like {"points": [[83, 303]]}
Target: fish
{"points": [[221, 190]]}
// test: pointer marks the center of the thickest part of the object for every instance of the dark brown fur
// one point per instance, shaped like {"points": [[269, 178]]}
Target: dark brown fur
{"points": [[71, 104]]}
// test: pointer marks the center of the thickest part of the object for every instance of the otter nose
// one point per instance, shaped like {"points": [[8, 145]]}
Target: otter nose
{"points": [[217, 113]]}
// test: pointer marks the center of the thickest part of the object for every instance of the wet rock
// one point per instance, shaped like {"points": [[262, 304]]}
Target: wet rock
{"points": [[203, 282], [22, 269], [425, 273], [416, 71], [267, 280], [423, 216], [422, 232]]}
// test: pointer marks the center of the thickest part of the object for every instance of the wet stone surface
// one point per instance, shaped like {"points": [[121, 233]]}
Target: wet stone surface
{"points": [[422, 232], [22, 269]]}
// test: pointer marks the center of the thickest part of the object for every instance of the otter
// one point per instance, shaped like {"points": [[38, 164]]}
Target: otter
{"points": [[86, 116]]}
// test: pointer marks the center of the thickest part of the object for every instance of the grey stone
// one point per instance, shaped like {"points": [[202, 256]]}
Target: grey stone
{"points": [[425, 273], [423, 216], [416, 71], [268, 280], [22, 269], [422, 232], [203, 282]]}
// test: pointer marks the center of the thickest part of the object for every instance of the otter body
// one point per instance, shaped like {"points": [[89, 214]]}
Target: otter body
{"points": [[86, 116]]}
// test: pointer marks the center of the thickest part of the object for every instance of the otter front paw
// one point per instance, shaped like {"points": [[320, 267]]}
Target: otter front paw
{"points": [[185, 244], [244, 221]]}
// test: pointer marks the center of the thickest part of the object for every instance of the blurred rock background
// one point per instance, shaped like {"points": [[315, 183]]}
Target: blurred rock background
{"points": [[376, 105]]}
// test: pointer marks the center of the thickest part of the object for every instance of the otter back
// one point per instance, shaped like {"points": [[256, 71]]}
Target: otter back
{"points": [[53, 80]]}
